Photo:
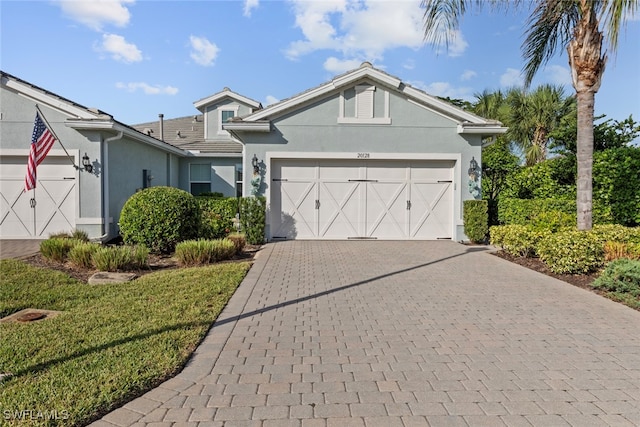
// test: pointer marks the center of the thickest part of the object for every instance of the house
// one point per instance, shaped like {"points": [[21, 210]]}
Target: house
{"points": [[361, 156]]}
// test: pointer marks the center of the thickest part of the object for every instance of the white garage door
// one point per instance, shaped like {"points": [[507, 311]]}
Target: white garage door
{"points": [[51, 208], [378, 199]]}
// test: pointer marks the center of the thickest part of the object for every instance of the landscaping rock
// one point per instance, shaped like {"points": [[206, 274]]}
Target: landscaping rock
{"points": [[106, 278]]}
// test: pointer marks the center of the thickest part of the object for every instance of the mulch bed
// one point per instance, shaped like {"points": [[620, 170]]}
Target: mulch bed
{"points": [[156, 263]]}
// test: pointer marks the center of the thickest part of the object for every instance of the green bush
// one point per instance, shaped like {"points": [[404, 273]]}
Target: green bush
{"points": [[621, 275], [476, 218], [572, 251], [518, 240], [616, 233], [616, 184], [218, 216], [118, 258], [57, 248], [201, 252], [252, 219], [81, 254], [159, 218]]}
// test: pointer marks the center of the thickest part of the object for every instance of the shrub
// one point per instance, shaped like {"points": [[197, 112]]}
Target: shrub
{"points": [[571, 251], [622, 275], [218, 216], [159, 218], [252, 219], [526, 211], [201, 252], [476, 217], [81, 254], [57, 249], [553, 221], [238, 240], [517, 239], [75, 234], [615, 233], [616, 183], [114, 258]]}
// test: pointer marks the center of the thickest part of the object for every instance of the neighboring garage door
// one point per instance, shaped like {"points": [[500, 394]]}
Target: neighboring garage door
{"points": [[51, 208], [376, 199]]}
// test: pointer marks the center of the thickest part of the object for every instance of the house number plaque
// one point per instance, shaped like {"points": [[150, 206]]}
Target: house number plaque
{"points": [[363, 155]]}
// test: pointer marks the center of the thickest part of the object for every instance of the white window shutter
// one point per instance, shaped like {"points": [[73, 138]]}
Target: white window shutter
{"points": [[364, 101]]}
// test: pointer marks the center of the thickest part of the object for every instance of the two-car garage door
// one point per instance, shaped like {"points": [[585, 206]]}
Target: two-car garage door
{"points": [[342, 199]]}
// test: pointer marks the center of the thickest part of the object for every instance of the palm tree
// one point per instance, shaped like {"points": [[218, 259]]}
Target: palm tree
{"points": [[554, 24], [534, 115]]}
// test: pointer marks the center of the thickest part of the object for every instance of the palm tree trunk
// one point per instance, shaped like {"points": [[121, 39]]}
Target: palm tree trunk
{"points": [[584, 202]]}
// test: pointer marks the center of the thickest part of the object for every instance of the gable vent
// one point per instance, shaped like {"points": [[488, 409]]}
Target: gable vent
{"points": [[364, 101]]}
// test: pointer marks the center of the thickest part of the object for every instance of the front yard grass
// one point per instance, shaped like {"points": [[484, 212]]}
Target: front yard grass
{"points": [[109, 344]]}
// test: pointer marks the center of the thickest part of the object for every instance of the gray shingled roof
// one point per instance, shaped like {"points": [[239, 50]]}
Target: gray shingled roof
{"points": [[187, 133]]}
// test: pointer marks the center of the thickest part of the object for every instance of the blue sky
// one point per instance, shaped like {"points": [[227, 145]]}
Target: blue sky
{"points": [[136, 59]]}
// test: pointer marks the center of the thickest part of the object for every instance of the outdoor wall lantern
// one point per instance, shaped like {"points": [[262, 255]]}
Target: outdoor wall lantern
{"points": [[473, 166], [474, 174], [86, 162], [255, 164]]}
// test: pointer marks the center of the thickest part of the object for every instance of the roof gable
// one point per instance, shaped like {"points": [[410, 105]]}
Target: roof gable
{"points": [[367, 73], [226, 93]]}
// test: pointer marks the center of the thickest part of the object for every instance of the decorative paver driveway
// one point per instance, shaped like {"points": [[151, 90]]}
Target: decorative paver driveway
{"points": [[375, 333]]}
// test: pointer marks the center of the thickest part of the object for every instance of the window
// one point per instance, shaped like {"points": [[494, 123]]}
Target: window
{"points": [[239, 180], [199, 178], [225, 113]]}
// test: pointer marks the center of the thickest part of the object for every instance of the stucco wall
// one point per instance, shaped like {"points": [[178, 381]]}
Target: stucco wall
{"points": [[223, 173]]}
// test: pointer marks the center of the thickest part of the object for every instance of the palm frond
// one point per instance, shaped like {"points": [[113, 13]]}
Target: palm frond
{"points": [[614, 15], [550, 27]]}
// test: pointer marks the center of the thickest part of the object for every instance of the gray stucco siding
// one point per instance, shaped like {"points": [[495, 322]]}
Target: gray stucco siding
{"points": [[212, 119], [222, 173], [126, 161]]}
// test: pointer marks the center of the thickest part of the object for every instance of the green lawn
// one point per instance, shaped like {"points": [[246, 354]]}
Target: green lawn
{"points": [[111, 343]]}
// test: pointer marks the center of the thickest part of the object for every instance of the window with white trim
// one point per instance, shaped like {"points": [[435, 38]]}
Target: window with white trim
{"points": [[199, 178]]}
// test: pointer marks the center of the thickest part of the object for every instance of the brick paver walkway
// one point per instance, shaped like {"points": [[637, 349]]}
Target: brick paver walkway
{"points": [[362, 333]]}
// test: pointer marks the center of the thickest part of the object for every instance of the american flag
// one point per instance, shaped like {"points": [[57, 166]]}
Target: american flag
{"points": [[41, 142]]}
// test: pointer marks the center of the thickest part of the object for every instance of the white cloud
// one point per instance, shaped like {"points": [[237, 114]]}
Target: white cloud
{"points": [[468, 75], [511, 78], [203, 51], [270, 100], [119, 48], [249, 5], [409, 64], [339, 66], [444, 90], [364, 28], [147, 88], [97, 13], [558, 75]]}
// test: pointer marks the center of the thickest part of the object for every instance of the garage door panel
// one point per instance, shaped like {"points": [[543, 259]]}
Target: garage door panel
{"points": [[53, 208], [339, 209], [386, 210], [295, 217], [431, 210]]}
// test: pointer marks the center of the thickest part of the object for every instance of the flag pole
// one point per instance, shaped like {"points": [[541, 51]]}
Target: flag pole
{"points": [[56, 137]]}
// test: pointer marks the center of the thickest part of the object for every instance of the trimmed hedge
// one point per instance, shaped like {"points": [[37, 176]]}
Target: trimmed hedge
{"points": [[252, 219], [218, 216], [476, 218], [159, 218], [516, 239], [572, 252], [560, 212]]}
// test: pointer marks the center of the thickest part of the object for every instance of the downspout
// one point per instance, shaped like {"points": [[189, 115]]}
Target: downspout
{"points": [[105, 185]]}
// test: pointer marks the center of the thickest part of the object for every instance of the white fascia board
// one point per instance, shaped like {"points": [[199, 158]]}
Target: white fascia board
{"points": [[366, 72], [261, 126], [131, 133], [214, 155], [224, 94], [470, 129], [48, 100]]}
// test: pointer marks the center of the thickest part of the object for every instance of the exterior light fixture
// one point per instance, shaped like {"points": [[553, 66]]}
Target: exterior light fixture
{"points": [[255, 164], [473, 166], [86, 162]]}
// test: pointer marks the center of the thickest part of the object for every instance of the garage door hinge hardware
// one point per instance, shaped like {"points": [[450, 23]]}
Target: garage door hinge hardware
{"points": [[363, 180], [32, 203], [317, 204], [68, 178], [444, 238], [408, 204], [279, 179], [443, 181]]}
